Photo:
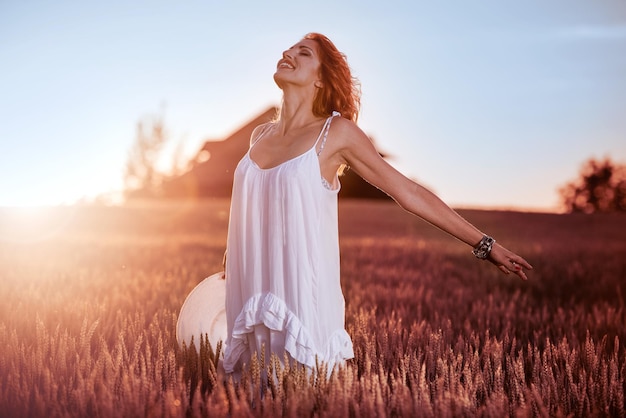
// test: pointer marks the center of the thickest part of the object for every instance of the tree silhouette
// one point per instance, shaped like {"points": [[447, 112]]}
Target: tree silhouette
{"points": [[601, 187], [141, 176]]}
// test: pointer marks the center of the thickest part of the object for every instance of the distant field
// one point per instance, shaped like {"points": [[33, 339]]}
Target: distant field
{"points": [[89, 299]]}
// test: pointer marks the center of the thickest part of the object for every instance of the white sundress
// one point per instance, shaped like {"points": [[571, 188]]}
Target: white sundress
{"points": [[282, 267]]}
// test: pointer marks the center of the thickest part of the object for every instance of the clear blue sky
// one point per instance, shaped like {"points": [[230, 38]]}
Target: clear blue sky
{"points": [[488, 103]]}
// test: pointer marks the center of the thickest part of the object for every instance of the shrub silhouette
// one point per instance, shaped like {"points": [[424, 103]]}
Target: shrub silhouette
{"points": [[601, 187]]}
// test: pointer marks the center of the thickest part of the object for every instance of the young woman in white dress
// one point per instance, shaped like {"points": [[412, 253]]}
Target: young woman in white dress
{"points": [[282, 269]]}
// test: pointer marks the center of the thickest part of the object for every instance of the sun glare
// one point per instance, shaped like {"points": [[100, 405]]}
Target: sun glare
{"points": [[33, 223]]}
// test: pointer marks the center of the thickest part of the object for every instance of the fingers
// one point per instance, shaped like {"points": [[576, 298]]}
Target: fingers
{"points": [[520, 261], [514, 264], [521, 273], [509, 262], [516, 267], [516, 270]]}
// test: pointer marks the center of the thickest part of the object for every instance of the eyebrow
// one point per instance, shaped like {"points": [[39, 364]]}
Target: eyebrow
{"points": [[303, 47]]}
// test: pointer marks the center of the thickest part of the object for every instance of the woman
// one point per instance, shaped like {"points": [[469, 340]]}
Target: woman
{"points": [[282, 270]]}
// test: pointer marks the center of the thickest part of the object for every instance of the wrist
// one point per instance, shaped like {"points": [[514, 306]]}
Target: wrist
{"points": [[483, 248]]}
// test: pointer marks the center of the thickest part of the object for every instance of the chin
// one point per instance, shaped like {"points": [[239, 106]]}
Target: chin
{"points": [[278, 80]]}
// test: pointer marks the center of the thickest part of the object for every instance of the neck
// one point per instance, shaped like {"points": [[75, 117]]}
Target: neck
{"points": [[296, 111]]}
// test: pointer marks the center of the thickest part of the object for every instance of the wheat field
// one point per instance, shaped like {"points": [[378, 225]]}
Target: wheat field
{"points": [[90, 296]]}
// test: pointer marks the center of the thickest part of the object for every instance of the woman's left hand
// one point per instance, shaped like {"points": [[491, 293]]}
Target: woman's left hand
{"points": [[509, 262]]}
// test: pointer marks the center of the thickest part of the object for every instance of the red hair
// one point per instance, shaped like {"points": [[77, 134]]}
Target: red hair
{"points": [[340, 91]]}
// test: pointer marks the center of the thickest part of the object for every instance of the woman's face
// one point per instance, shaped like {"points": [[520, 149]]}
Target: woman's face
{"points": [[299, 65]]}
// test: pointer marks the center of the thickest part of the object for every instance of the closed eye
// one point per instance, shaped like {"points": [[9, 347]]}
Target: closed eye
{"points": [[305, 51]]}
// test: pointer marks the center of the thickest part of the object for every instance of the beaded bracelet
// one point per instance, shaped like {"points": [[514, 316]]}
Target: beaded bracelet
{"points": [[483, 249]]}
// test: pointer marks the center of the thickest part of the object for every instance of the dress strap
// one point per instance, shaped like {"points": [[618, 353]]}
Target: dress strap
{"points": [[326, 128], [260, 135]]}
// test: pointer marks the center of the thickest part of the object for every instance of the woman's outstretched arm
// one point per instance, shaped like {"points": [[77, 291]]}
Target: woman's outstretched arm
{"points": [[360, 154]]}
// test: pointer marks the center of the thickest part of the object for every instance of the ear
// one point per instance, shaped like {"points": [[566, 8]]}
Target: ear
{"points": [[319, 84]]}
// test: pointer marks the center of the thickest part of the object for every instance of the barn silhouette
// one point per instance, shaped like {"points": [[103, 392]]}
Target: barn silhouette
{"points": [[211, 171]]}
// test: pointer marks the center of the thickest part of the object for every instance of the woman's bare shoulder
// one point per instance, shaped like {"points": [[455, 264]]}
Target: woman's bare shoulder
{"points": [[348, 133]]}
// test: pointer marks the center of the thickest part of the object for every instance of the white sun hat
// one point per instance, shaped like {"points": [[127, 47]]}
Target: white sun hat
{"points": [[204, 312]]}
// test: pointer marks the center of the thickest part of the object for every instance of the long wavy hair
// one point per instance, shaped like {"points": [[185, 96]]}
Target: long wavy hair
{"points": [[340, 91]]}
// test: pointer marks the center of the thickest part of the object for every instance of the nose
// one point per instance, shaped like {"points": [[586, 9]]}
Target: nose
{"points": [[287, 54]]}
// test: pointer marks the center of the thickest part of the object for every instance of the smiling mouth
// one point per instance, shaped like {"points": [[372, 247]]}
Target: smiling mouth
{"points": [[285, 64]]}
